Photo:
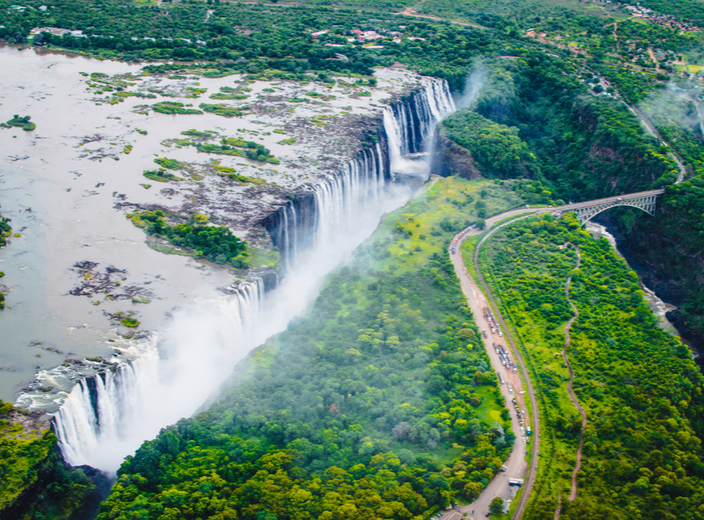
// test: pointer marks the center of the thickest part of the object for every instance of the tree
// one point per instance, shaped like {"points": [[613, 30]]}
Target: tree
{"points": [[497, 506]]}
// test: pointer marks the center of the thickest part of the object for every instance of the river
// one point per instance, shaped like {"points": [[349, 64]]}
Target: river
{"points": [[68, 184]]}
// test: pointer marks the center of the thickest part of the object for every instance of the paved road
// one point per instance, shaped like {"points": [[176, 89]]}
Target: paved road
{"points": [[511, 388]]}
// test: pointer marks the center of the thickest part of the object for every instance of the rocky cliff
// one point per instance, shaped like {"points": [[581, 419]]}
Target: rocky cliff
{"points": [[450, 159]]}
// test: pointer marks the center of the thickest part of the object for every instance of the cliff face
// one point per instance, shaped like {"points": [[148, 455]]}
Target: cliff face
{"points": [[36, 483], [450, 159], [667, 252]]}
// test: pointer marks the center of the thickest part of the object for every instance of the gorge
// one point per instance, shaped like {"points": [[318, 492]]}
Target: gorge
{"points": [[170, 374], [229, 281]]}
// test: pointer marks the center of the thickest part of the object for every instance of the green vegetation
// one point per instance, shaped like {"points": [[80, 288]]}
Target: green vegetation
{"points": [[224, 110], [161, 175], [261, 257], [271, 40], [215, 243], [235, 146], [388, 407], [170, 107], [23, 122], [641, 391], [497, 506], [231, 173], [230, 93], [553, 112], [171, 164], [588, 147], [206, 134], [195, 171], [130, 321], [30, 455], [497, 149], [5, 231]]}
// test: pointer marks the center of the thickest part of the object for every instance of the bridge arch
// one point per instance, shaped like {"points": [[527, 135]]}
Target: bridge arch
{"points": [[585, 211]]}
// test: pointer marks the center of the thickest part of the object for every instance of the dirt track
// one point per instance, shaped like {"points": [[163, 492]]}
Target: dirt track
{"points": [[570, 391]]}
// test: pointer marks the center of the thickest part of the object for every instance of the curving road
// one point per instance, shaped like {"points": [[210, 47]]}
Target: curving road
{"points": [[513, 384]]}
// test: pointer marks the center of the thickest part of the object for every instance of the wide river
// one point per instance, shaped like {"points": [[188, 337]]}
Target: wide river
{"points": [[60, 185]]}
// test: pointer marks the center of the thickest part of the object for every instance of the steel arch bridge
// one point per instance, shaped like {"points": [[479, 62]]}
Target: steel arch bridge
{"points": [[585, 211]]}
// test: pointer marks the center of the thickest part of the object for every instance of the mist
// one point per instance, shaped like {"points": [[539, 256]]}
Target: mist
{"points": [[178, 371], [473, 85], [676, 105]]}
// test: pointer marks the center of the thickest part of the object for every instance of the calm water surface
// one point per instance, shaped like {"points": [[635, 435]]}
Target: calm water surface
{"points": [[60, 185]]}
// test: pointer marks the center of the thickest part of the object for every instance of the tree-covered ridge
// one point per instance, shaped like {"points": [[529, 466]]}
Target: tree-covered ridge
{"points": [[497, 149], [640, 389], [678, 232], [379, 403], [215, 243], [249, 38], [587, 147]]}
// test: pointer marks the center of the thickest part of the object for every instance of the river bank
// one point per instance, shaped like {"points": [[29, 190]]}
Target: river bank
{"points": [[662, 298]]}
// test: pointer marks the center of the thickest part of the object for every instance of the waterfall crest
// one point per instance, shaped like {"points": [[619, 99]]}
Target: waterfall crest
{"points": [[108, 416]]}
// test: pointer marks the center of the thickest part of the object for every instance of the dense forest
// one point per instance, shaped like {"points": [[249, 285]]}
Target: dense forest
{"points": [[388, 406], [585, 146], [252, 39], [641, 391], [36, 482], [215, 243]]}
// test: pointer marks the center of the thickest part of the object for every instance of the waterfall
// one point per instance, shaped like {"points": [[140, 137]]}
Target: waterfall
{"points": [[108, 416], [410, 122]]}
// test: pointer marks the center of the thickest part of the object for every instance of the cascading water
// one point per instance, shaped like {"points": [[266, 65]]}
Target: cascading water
{"points": [[409, 122], [108, 416]]}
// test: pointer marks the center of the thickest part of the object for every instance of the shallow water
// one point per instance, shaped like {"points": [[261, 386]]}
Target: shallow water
{"points": [[60, 195], [63, 217]]}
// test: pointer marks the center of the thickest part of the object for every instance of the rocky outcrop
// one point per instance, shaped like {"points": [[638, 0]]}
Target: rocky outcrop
{"points": [[451, 159]]}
